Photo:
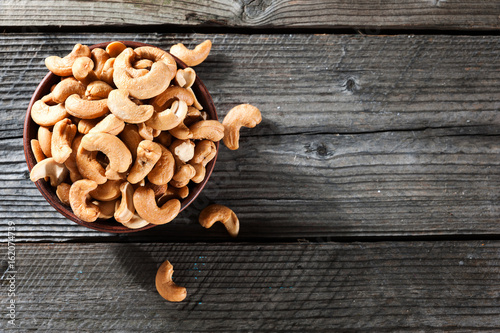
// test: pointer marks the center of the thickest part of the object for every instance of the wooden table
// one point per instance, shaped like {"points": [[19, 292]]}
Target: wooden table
{"points": [[368, 196]]}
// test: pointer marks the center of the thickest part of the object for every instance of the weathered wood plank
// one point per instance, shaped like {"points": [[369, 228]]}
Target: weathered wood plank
{"points": [[375, 287], [359, 14], [362, 136]]}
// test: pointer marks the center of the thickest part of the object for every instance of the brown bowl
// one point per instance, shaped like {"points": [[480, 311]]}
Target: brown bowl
{"points": [[30, 132]]}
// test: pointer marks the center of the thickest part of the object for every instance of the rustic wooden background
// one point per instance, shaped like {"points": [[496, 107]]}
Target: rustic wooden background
{"points": [[368, 196]]}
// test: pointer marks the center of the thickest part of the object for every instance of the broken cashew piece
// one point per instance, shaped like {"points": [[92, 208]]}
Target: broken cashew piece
{"points": [[185, 77], [166, 287], [148, 153], [62, 137], [192, 57], [117, 152], [241, 115], [145, 205], [57, 172], [121, 106], [219, 213], [62, 66], [79, 200], [125, 210]]}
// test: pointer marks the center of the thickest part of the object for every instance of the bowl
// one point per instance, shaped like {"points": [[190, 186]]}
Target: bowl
{"points": [[48, 192]]}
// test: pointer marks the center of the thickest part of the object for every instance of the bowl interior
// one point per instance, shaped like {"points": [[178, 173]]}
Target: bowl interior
{"points": [[31, 129]]}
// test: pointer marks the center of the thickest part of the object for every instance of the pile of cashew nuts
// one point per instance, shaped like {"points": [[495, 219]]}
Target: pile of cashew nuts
{"points": [[123, 134]]}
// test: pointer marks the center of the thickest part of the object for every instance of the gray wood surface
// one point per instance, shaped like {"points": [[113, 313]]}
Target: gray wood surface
{"points": [[372, 287], [365, 15], [362, 135]]}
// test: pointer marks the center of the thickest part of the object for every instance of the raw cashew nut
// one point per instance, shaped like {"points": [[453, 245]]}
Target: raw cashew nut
{"points": [[45, 139], [64, 89], [125, 210], [170, 118], [166, 287], [86, 109], [204, 152], [180, 184], [182, 130], [164, 169], [241, 115], [62, 66], [142, 87], [45, 115], [62, 137], [49, 168], [121, 106], [200, 172], [83, 70], [111, 124], [185, 77], [148, 153], [146, 207], [98, 90], [62, 193], [117, 152], [79, 200], [37, 150], [215, 213], [207, 129], [115, 48], [192, 57], [108, 191]]}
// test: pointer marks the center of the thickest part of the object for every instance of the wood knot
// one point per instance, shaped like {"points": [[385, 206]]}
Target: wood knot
{"points": [[350, 85]]}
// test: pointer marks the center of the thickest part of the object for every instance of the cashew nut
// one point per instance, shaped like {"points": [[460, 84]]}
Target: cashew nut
{"points": [[166, 287], [196, 104], [207, 129], [64, 89], [45, 139], [148, 153], [170, 118], [146, 207], [165, 99], [122, 107], [83, 70], [192, 57], [49, 168], [143, 87], [45, 115], [157, 55], [111, 124], [131, 137], [115, 48], [62, 193], [219, 213], [70, 163], [241, 115], [106, 208], [200, 172], [181, 183], [89, 167], [183, 149], [62, 66], [86, 109], [204, 152], [79, 200], [108, 191], [136, 222], [125, 210], [107, 71], [37, 150], [62, 137], [99, 57], [145, 131], [98, 90], [164, 138], [173, 193], [115, 175], [85, 125], [164, 169], [117, 152], [185, 77], [143, 64]]}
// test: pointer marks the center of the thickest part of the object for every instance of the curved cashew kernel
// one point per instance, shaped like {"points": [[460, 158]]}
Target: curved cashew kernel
{"points": [[62, 66], [170, 118], [143, 64], [131, 137], [145, 131], [49, 168], [79, 200], [111, 124], [241, 115], [107, 71], [125, 210], [166, 287], [207, 129], [185, 77], [108, 191], [136, 222], [204, 152], [146, 207], [37, 150], [70, 162], [98, 90], [215, 213], [117, 152], [86, 109], [99, 57], [83, 70], [196, 104], [45, 139], [165, 139], [182, 149], [181, 132], [89, 167], [62, 193], [121, 106], [45, 115], [148, 153], [157, 55], [115, 48], [184, 173], [62, 137], [66, 88], [164, 169], [173, 193], [165, 99], [180, 184], [106, 208], [85, 125], [192, 57], [159, 190], [143, 87], [200, 172]]}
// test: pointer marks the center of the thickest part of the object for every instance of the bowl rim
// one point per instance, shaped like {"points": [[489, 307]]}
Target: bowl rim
{"points": [[110, 225]]}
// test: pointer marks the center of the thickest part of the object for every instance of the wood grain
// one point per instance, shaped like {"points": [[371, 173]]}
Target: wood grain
{"points": [[362, 135], [365, 15], [373, 287]]}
